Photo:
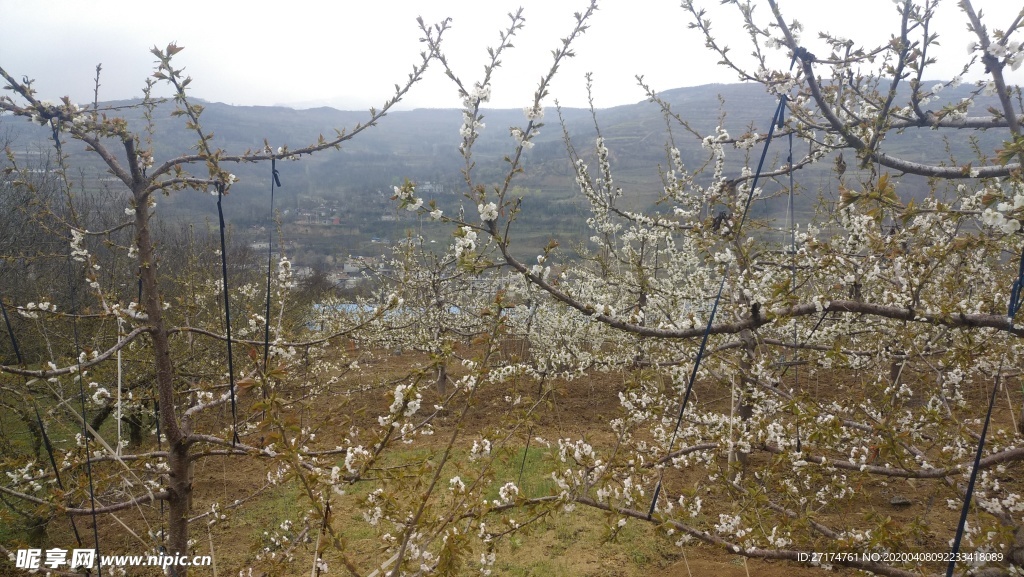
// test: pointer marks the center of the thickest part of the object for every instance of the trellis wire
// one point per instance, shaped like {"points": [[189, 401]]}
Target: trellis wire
{"points": [[10, 332], [777, 120], [55, 126], [56, 471], [275, 179], [39, 420], [974, 475], [227, 313], [120, 333], [85, 421], [791, 212], [1011, 312]]}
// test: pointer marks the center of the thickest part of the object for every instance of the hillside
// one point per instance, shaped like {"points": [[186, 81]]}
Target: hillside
{"points": [[338, 203]]}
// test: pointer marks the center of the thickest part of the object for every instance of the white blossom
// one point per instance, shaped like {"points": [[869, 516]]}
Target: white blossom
{"points": [[488, 212]]}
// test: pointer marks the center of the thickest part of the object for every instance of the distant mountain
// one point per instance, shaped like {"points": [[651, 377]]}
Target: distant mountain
{"points": [[422, 145]]}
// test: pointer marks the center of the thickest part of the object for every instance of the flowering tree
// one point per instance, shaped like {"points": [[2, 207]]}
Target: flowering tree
{"points": [[157, 334], [899, 303]]}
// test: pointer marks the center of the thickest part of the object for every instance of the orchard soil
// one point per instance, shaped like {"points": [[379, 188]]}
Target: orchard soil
{"points": [[571, 545]]}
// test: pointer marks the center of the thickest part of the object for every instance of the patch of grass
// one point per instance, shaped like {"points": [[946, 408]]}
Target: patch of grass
{"points": [[537, 568], [527, 470], [576, 545], [567, 534], [645, 549], [275, 507]]}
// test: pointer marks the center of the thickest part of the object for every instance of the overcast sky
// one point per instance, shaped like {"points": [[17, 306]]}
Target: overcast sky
{"points": [[349, 54]]}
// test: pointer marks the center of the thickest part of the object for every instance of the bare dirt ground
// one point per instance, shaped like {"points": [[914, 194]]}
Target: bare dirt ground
{"points": [[568, 546]]}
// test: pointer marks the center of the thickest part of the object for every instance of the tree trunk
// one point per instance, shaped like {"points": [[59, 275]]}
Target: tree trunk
{"points": [[179, 485]]}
